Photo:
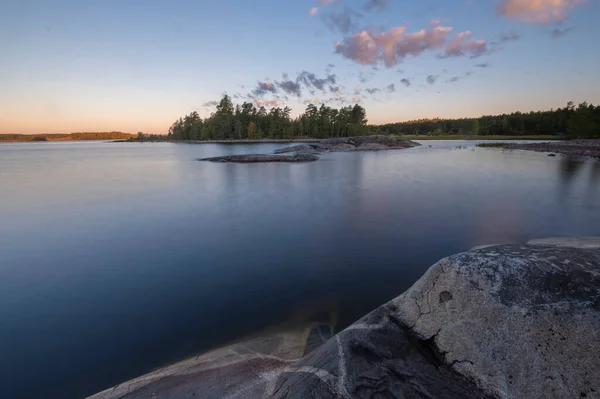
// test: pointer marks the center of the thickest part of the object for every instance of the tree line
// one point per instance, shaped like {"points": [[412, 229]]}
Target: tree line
{"points": [[582, 121], [247, 121], [67, 137]]}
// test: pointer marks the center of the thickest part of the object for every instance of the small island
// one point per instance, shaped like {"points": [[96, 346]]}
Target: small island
{"points": [[306, 152], [584, 148]]}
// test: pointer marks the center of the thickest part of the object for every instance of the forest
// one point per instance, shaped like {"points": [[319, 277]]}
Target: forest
{"points": [[582, 121], [246, 121]]}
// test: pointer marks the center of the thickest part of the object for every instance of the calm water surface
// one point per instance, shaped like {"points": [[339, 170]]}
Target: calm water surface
{"points": [[117, 258]]}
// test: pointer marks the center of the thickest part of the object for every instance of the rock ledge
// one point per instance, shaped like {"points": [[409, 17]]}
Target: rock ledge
{"points": [[503, 321]]}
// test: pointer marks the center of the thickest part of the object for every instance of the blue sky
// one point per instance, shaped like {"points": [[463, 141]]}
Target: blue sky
{"points": [[138, 65]]}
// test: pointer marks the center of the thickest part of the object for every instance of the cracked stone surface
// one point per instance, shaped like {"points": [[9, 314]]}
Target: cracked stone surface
{"points": [[504, 321]]}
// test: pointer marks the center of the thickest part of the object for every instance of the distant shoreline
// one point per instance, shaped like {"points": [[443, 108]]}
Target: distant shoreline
{"points": [[313, 140], [245, 141], [78, 136]]}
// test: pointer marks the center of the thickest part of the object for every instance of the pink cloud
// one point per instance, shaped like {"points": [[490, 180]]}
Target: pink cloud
{"points": [[463, 44], [327, 2], [276, 102], [538, 11], [313, 11], [393, 46]]}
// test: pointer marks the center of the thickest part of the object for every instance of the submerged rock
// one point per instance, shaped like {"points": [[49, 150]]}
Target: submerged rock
{"points": [[251, 158], [502, 321]]}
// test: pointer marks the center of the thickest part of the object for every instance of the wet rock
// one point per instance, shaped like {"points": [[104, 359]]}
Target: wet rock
{"points": [[253, 158]]}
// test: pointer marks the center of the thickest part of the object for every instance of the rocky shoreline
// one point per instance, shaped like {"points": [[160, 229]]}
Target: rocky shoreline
{"points": [[586, 148], [501, 321], [308, 152]]}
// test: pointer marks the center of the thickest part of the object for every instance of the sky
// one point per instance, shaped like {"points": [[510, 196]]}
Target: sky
{"points": [[73, 66]]}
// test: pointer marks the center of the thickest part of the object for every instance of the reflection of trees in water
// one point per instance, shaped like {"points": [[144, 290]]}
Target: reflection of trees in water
{"points": [[591, 196], [569, 168], [569, 165], [595, 172]]}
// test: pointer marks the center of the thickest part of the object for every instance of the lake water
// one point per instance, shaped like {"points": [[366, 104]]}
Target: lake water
{"points": [[118, 258]]}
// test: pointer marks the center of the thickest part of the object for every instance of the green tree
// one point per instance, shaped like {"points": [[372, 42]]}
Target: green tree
{"points": [[252, 130]]}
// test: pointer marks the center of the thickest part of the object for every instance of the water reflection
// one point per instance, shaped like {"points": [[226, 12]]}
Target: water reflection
{"points": [[142, 255]]}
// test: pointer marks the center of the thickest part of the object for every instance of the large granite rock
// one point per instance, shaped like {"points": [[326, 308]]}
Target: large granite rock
{"points": [[243, 370], [506, 321], [347, 144]]}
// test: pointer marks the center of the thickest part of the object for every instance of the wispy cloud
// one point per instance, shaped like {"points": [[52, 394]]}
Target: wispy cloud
{"points": [[313, 11], [431, 79], [263, 88], [391, 88], [510, 36], [290, 87], [462, 44], [309, 79], [376, 5], [537, 11], [406, 82], [210, 104], [483, 65], [275, 102], [344, 21], [559, 32]]}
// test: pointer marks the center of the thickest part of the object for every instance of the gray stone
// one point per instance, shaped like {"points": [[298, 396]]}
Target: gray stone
{"points": [[301, 148], [569, 242], [253, 158], [505, 321], [508, 321], [348, 144]]}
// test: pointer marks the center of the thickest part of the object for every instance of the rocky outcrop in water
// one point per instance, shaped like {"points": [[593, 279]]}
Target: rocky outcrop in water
{"points": [[586, 148], [347, 144], [252, 158], [505, 321]]}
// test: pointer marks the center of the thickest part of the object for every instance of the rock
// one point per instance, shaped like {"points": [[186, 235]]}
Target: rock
{"points": [[347, 144], [508, 321], [583, 147], [243, 370], [302, 148], [502, 321], [252, 158]]}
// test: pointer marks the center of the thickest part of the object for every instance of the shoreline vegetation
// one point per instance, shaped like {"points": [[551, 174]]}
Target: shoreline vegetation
{"points": [[232, 121], [80, 136], [248, 124]]}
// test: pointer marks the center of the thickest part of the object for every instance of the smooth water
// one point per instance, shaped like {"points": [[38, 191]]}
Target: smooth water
{"points": [[117, 258]]}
